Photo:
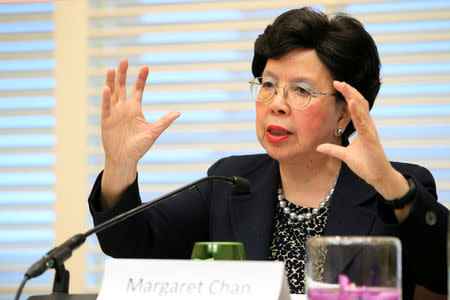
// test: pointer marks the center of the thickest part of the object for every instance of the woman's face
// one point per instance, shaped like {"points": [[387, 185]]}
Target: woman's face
{"points": [[289, 133]]}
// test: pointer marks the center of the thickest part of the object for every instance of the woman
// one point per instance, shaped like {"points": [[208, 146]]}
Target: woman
{"points": [[315, 82]]}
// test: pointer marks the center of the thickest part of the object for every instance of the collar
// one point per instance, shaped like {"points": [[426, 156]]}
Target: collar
{"points": [[252, 214]]}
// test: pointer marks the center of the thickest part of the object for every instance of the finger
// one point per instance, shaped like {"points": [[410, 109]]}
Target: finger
{"points": [[110, 79], [121, 80], [358, 115], [162, 124], [349, 92], [357, 105], [139, 85], [106, 103], [333, 150]]}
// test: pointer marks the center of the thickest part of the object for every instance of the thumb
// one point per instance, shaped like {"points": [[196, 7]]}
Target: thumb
{"points": [[333, 150], [162, 124]]}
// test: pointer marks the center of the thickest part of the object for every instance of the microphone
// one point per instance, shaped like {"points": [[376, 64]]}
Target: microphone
{"points": [[56, 257], [240, 184]]}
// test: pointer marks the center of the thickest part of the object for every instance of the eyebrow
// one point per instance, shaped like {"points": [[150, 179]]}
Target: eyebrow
{"points": [[296, 79]]}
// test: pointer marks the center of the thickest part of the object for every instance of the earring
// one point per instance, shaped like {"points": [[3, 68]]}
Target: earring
{"points": [[340, 131]]}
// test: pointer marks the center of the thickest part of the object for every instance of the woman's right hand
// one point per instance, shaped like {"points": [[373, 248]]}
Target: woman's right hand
{"points": [[126, 135]]}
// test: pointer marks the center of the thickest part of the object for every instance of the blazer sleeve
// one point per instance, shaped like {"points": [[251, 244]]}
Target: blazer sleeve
{"points": [[424, 232], [166, 230]]}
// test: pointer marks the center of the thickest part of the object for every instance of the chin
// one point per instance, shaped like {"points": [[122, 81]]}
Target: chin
{"points": [[288, 154], [284, 151], [279, 154], [278, 158]]}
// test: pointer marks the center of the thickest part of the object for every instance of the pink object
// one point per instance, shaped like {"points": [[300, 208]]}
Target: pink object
{"points": [[348, 291]]}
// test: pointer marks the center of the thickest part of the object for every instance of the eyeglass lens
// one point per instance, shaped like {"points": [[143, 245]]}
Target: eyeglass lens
{"points": [[264, 89]]}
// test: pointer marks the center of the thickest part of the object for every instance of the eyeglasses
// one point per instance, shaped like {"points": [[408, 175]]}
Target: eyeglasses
{"points": [[297, 94]]}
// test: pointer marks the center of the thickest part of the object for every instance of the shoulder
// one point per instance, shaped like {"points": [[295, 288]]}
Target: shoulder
{"points": [[419, 174], [242, 165], [412, 170]]}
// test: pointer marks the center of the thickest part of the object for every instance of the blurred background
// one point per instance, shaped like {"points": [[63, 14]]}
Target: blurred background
{"points": [[53, 58]]}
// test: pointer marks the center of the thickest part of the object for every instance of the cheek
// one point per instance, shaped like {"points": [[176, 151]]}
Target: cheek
{"points": [[311, 120]]}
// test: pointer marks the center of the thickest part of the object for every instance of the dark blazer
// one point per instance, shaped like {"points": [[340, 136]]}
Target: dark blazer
{"points": [[212, 211]]}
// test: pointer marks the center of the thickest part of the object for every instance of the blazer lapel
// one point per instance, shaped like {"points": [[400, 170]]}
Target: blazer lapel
{"points": [[350, 214], [347, 214], [252, 214]]}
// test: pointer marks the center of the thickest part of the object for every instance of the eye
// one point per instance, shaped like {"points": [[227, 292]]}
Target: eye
{"points": [[299, 90], [267, 84]]}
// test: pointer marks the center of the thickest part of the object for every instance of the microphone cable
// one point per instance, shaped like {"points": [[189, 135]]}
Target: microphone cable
{"points": [[22, 284], [56, 257]]}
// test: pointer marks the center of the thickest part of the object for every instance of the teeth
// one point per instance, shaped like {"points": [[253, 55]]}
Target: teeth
{"points": [[278, 132]]}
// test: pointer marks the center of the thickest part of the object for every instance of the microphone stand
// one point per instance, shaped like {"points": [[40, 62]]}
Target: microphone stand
{"points": [[55, 258]]}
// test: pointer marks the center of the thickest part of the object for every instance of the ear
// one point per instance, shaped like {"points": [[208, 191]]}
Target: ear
{"points": [[344, 117]]}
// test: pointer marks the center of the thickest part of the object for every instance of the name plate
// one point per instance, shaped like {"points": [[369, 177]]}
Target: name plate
{"points": [[193, 279]]}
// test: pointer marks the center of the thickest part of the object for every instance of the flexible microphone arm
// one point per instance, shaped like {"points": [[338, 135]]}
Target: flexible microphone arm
{"points": [[56, 257]]}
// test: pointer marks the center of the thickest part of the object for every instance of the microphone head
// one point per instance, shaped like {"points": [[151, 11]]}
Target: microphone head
{"points": [[240, 184]]}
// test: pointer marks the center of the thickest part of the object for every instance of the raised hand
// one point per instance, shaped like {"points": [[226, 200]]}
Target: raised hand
{"points": [[126, 135], [365, 155]]}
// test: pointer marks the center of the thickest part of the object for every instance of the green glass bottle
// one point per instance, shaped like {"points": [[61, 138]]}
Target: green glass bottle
{"points": [[218, 251]]}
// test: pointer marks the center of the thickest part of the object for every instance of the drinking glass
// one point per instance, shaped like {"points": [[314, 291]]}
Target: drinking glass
{"points": [[218, 251], [353, 267]]}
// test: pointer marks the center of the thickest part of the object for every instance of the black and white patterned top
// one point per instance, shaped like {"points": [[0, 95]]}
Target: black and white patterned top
{"points": [[289, 241]]}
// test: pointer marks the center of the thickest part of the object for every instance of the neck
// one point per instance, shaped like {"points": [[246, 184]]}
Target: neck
{"points": [[307, 181]]}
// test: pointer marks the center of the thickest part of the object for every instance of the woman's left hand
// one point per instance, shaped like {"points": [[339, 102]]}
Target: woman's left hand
{"points": [[365, 155]]}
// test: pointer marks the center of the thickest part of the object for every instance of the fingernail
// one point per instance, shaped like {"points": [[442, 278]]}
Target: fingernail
{"points": [[339, 83]]}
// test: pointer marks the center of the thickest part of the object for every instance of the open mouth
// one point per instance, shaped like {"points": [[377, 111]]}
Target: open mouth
{"points": [[277, 130], [277, 134]]}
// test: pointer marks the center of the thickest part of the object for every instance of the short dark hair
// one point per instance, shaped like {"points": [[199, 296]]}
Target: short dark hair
{"points": [[341, 43]]}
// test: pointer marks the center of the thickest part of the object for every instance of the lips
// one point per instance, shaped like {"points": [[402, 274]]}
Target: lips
{"points": [[277, 134]]}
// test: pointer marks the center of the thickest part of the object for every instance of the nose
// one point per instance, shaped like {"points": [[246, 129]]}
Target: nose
{"points": [[278, 103]]}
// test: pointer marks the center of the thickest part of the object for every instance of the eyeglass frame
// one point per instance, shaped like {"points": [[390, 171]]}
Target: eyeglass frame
{"points": [[276, 86]]}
